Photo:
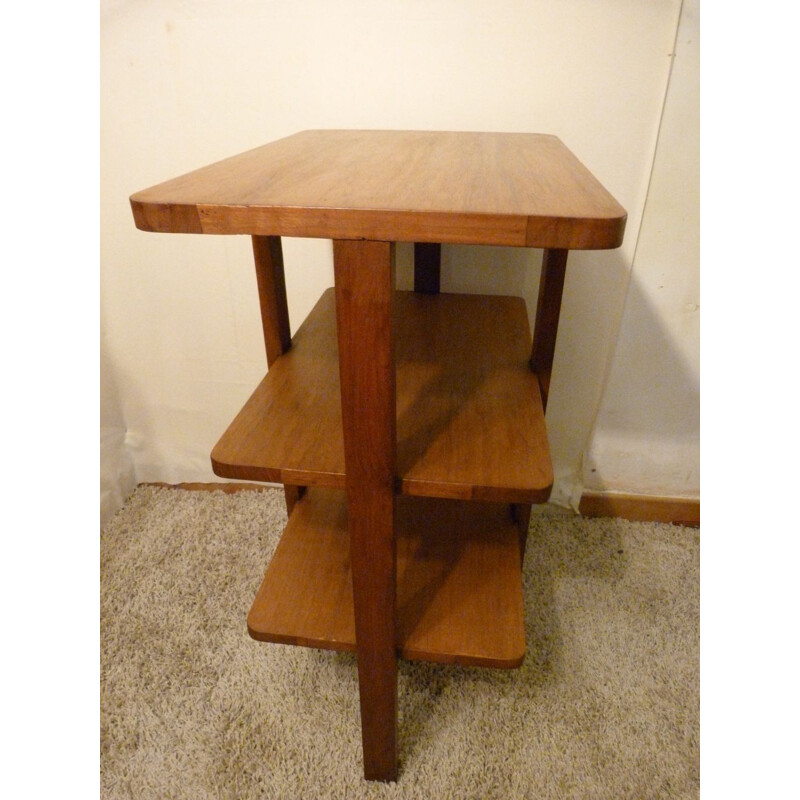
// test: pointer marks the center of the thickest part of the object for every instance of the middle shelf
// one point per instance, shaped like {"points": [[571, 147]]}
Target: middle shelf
{"points": [[470, 423]]}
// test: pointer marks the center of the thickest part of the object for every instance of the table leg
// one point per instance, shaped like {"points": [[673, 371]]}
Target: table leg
{"points": [[545, 330], [364, 278], [271, 281], [427, 267], [548, 310]]}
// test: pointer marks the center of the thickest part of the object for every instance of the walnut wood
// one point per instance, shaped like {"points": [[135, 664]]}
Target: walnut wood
{"points": [[459, 584], [292, 494], [644, 508], [516, 189], [521, 513], [466, 403], [544, 383], [272, 295], [363, 273], [271, 282], [290, 430], [548, 309], [470, 423], [427, 267]]}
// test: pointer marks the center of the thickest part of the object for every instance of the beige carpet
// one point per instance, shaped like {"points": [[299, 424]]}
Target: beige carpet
{"points": [[606, 704]]}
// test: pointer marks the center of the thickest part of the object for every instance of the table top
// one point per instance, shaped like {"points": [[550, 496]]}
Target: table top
{"points": [[515, 189]]}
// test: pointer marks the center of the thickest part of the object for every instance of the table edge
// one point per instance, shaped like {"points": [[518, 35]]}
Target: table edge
{"points": [[569, 233]]}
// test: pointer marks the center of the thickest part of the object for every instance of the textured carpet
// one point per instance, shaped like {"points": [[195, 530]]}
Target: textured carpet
{"points": [[606, 704]]}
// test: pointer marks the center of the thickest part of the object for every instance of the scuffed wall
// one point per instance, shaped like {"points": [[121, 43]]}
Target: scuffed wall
{"points": [[647, 436]]}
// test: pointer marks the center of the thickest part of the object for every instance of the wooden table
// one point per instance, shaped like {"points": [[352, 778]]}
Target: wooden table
{"points": [[407, 427]]}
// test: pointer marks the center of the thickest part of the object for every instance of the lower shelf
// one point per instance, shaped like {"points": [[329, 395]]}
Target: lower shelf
{"points": [[459, 582]]}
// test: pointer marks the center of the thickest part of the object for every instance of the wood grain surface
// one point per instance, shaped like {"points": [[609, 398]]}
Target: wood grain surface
{"points": [[548, 311], [470, 422], [459, 590], [644, 508], [519, 189], [381, 392], [364, 275], [271, 281]]}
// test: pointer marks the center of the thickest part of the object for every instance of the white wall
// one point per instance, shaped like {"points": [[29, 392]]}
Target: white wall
{"points": [[117, 474], [647, 435], [186, 82]]}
